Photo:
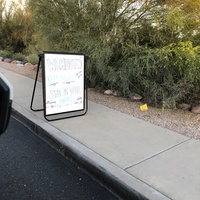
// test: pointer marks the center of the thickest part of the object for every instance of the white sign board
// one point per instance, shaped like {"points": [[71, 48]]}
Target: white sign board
{"points": [[64, 83]]}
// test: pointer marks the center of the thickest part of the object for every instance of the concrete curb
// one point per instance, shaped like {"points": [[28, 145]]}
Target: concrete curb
{"points": [[115, 178]]}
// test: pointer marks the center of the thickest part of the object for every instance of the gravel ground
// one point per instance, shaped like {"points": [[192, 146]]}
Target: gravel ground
{"points": [[180, 121]]}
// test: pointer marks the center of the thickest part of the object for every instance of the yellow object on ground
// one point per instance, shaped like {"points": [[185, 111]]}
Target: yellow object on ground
{"points": [[144, 107]]}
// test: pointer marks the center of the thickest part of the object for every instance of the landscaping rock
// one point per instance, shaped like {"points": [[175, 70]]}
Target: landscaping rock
{"points": [[24, 62], [135, 97], [196, 109], [29, 65], [7, 60], [184, 106], [198, 118], [19, 62], [14, 62], [20, 65], [108, 92], [117, 93]]}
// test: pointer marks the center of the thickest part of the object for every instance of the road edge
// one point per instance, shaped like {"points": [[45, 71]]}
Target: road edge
{"points": [[116, 179]]}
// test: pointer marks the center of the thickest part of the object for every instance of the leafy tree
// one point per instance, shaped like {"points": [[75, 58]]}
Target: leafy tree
{"points": [[133, 45], [102, 19], [172, 21], [16, 29]]}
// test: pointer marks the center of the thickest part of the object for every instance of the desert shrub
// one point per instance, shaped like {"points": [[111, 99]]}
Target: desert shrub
{"points": [[185, 68], [144, 70], [99, 56], [18, 56], [164, 76], [32, 58], [6, 54]]}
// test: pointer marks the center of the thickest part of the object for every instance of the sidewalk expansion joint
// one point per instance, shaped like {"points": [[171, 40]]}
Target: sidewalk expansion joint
{"points": [[159, 153], [168, 198]]}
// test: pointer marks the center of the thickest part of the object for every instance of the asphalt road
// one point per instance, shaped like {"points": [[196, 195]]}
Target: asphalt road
{"points": [[31, 170]]}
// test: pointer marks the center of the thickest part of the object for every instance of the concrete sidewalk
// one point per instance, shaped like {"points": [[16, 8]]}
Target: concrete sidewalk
{"points": [[137, 159]]}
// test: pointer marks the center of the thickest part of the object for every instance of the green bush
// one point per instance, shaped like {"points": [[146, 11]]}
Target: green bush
{"points": [[32, 58], [5, 54], [18, 56], [164, 76]]}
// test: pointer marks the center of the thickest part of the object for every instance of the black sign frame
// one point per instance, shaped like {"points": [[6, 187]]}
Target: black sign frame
{"points": [[63, 82]]}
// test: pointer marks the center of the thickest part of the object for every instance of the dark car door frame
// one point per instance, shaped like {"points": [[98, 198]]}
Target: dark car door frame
{"points": [[6, 97]]}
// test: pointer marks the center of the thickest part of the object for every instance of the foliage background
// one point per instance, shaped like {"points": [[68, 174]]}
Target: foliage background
{"points": [[150, 47]]}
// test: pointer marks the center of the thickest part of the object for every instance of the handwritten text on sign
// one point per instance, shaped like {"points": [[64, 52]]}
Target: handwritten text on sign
{"points": [[64, 82]]}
